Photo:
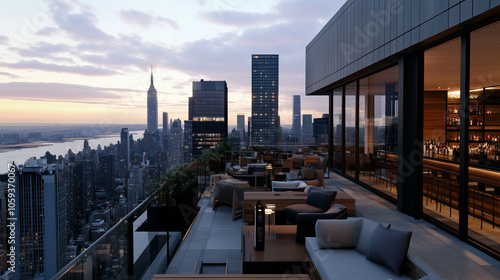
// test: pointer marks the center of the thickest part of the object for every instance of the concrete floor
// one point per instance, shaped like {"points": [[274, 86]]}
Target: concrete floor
{"points": [[213, 244]]}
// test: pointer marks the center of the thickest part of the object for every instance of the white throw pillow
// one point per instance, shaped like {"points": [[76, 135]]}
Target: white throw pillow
{"points": [[338, 233]]}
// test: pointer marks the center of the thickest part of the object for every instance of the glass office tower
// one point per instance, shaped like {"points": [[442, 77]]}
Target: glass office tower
{"points": [[208, 113], [265, 120]]}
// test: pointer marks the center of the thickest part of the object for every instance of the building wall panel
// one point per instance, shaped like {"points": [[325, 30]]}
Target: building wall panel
{"points": [[364, 32]]}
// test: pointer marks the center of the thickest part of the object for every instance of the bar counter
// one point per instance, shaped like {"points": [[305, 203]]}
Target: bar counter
{"points": [[476, 174]]}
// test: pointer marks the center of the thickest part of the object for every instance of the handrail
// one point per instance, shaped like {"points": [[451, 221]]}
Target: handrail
{"points": [[83, 254]]}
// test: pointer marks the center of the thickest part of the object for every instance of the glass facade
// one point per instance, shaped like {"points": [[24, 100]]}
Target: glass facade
{"points": [[208, 115], [449, 115], [367, 151], [337, 128], [265, 118], [350, 128], [424, 134], [441, 131]]}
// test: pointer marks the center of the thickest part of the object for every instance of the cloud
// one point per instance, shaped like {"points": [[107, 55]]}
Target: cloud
{"points": [[304, 10], [135, 17], [285, 29], [168, 21], [79, 25], [58, 92], [283, 11], [44, 49], [3, 40], [48, 31], [237, 18], [76, 69], [9, 75]]}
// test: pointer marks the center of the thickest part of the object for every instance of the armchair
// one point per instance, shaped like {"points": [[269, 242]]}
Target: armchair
{"points": [[318, 201], [309, 174], [306, 222]]}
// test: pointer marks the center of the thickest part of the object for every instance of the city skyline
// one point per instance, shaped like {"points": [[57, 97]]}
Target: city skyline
{"points": [[70, 62]]}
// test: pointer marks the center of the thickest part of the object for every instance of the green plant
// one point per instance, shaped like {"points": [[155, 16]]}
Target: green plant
{"points": [[219, 154], [177, 184]]}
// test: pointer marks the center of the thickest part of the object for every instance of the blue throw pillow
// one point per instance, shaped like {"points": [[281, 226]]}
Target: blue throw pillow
{"points": [[389, 247]]}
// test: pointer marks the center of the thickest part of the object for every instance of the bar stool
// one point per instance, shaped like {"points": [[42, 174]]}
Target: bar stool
{"points": [[437, 178], [496, 192], [427, 178], [449, 181], [391, 174], [473, 188], [487, 190], [378, 165], [481, 187]]}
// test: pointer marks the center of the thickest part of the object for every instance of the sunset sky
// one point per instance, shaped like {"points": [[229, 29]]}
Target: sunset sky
{"points": [[89, 61]]}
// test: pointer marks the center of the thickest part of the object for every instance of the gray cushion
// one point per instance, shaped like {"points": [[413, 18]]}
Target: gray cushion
{"points": [[365, 236], [336, 234], [293, 210], [389, 247], [321, 198]]}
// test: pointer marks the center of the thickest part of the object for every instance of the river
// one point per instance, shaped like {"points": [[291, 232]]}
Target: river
{"points": [[21, 155]]}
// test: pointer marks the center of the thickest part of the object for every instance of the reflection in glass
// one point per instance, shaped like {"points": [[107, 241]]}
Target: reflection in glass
{"points": [[350, 128], [378, 130], [337, 128]]}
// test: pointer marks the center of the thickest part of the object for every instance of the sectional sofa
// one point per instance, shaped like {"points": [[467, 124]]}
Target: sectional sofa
{"points": [[358, 248]]}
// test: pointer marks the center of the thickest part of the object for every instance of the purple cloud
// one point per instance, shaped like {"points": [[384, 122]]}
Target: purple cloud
{"points": [[9, 75], [236, 18], [58, 92], [3, 40], [78, 26], [76, 69], [144, 19], [48, 31]]}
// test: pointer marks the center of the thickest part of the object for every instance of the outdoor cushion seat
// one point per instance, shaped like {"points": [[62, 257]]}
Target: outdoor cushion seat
{"points": [[317, 201], [278, 186], [306, 221]]}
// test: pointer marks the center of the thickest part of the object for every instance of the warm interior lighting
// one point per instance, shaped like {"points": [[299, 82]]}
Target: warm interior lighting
{"points": [[456, 94]]}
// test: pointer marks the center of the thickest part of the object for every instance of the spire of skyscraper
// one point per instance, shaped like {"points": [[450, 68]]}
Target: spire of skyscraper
{"points": [[152, 106], [152, 76]]}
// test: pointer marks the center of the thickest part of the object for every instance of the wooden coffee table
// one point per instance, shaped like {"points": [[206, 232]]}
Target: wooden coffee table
{"points": [[282, 255]]}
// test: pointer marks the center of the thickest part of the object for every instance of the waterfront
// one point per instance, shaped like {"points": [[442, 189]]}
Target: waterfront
{"points": [[60, 148]]}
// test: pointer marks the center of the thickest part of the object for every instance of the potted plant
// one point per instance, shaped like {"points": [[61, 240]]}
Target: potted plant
{"points": [[176, 200]]}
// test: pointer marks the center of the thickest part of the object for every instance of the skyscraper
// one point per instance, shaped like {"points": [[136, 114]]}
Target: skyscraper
{"points": [[107, 175], [165, 131], [296, 127], [41, 231], [175, 145], [188, 141], [249, 125], [152, 107], [208, 113], [240, 126], [320, 130], [307, 129], [265, 121], [125, 150]]}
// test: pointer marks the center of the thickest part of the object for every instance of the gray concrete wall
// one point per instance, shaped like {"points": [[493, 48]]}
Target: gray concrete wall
{"points": [[364, 32]]}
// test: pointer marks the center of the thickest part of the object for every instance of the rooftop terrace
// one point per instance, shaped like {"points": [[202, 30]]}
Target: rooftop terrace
{"points": [[213, 245]]}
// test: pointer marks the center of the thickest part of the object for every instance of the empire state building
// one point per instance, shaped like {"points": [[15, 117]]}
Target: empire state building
{"points": [[152, 107]]}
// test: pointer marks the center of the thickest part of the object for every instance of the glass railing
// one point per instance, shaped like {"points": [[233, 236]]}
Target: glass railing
{"points": [[129, 250]]}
